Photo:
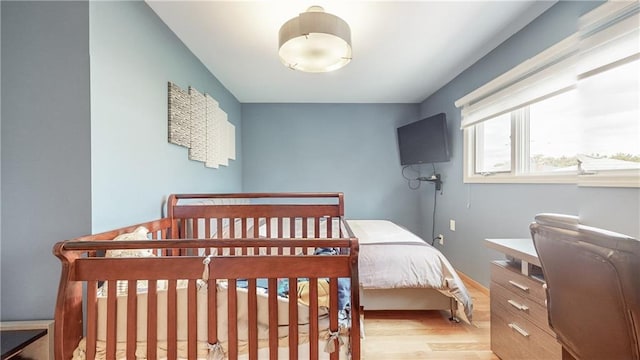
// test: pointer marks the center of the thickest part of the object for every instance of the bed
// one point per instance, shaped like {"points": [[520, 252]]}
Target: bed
{"points": [[203, 283], [400, 271]]}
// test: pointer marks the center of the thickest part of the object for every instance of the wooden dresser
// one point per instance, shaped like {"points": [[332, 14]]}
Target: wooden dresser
{"points": [[519, 324]]}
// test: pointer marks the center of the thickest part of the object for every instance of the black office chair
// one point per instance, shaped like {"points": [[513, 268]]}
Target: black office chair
{"points": [[593, 287]]}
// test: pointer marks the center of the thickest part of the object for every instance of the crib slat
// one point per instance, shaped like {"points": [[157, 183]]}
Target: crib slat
{"points": [[212, 312], [329, 227], [313, 318], [256, 227], [333, 315], [172, 299], [111, 318], [268, 222], [183, 233], [253, 319], [132, 313], [244, 230], [293, 318], [316, 227], [152, 320], [273, 319], [244, 234], [280, 234], [196, 229], [232, 314], [92, 322], [219, 222], [207, 232], [292, 234], [192, 322], [305, 227]]}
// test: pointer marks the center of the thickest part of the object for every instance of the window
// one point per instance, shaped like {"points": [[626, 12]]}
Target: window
{"points": [[493, 145], [568, 115], [554, 139], [611, 119]]}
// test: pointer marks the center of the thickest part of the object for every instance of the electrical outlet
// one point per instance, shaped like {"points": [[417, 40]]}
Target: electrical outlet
{"points": [[452, 225], [440, 239]]}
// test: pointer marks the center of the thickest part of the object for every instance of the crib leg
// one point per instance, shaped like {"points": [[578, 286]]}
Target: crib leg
{"points": [[454, 309]]}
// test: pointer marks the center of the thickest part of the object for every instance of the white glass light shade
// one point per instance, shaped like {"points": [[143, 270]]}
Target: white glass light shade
{"points": [[315, 42]]}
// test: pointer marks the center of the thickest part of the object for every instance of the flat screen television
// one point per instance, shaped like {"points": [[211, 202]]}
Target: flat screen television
{"points": [[424, 141]]}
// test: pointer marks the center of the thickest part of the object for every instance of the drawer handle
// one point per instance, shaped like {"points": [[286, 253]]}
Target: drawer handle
{"points": [[518, 305], [519, 329], [519, 286]]}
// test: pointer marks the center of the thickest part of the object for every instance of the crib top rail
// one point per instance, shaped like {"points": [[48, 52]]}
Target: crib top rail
{"points": [[89, 245], [258, 204], [226, 266], [258, 195]]}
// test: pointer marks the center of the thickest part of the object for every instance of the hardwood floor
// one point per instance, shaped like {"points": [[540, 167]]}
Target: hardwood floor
{"points": [[402, 335]]}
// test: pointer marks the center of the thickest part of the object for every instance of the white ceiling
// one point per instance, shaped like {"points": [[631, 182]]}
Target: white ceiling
{"points": [[403, 51]]}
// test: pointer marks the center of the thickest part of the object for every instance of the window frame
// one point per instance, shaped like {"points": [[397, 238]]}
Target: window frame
{"points": [[519, 158]]}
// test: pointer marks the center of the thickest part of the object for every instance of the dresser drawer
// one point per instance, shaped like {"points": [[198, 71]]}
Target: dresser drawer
{"points": [[517, 305], [513, 337], [525, 286]]}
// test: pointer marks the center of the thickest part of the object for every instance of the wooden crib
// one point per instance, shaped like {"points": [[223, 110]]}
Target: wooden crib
{"points": [[187, 303]]}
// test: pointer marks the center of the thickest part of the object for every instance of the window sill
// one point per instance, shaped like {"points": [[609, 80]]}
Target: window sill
{"points": [[521, 179], [626, 180]]}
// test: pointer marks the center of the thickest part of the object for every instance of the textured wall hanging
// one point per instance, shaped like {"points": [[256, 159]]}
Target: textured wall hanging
{"points": [[198, 147], [179, 116], [197, 122]]}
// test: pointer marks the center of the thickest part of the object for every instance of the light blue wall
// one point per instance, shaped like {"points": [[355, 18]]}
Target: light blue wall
{"points": [[331, 147], [46, 159], [505, 210], [133, 56], [84, 133]]}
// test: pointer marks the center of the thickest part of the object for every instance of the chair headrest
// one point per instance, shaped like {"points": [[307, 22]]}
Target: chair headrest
{"points": [[563, 221]]}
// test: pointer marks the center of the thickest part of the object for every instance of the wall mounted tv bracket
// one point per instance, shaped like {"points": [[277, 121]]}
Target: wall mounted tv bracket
{"points": [[435, 178]]}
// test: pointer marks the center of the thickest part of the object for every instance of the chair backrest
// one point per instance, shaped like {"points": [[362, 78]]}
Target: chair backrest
{"points": [[593, 287]]}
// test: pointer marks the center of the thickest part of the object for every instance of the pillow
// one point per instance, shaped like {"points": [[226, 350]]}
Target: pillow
{"points": [[140, 233], [323, 293]]}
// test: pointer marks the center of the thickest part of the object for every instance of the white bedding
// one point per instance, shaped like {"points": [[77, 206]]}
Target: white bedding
{"points": [[393, 257]]}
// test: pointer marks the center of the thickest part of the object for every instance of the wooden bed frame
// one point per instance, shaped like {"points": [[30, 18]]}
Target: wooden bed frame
{"points": [[407, 299], [181, 256]]}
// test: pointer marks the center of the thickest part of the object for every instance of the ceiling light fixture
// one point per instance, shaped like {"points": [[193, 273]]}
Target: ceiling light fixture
{"points": [[315, 41]]}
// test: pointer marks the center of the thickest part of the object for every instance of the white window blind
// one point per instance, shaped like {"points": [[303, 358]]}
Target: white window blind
{"points": [[547, 74], [609, 36]]}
